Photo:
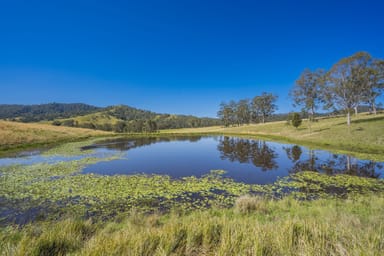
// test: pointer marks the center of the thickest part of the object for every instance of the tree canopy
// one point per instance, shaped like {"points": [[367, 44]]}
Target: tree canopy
{"points": [[308, 91], [245, 111], [352, 81]]}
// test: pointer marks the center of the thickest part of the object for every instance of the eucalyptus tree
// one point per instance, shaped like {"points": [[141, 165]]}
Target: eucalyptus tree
{"points": [[265, 105], [374, 83], [234, 119], [307, 91], [226, 113], [345, 82], [243, 112]]}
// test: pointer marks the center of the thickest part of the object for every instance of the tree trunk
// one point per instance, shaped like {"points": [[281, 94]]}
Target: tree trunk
{"points": [[374, 108], [355, 111], [348, 117], [263, 119], [312, 114]]}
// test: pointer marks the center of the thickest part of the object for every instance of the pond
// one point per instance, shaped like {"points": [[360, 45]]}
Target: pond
{"points": [[244, 160], [250, 161], [103, 179]]}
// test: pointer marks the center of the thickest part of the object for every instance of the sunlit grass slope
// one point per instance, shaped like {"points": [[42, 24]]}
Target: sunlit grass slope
{"points": [[96, 118], [14, 134], [366, 134]]}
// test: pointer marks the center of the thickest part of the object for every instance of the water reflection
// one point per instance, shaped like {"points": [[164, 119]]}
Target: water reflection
{"points": [[124, 144], [241, 150], [293, 153], [177, 157], [261, 154], [317, 161]]}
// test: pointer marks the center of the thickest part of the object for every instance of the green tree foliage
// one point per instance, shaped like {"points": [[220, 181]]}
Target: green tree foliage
{"points": [[351, 82], [264, 105], [227, 114], [127, 113], [45, 112], [346, 82], [373, 83], [150, 126], [136, 126], [244, 111], [296, 120], [307, 91]]}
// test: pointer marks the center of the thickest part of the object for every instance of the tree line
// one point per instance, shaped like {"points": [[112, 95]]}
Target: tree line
{"points": [[246, 111], [351, 82]]}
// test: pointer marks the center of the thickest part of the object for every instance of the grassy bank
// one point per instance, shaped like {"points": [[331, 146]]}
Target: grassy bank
{"points": [[64, 212], [364, 138], [254, 226], [15, 136]]}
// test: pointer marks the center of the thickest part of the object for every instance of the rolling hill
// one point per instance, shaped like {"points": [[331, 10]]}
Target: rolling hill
{"points": [[119, 118], [128, 119], [44, 112]]}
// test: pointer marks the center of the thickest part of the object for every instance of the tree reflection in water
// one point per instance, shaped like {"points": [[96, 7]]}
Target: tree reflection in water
{"points": [[241, 150], [124, 144], [259, 153], [294, 153], [335, 164]]}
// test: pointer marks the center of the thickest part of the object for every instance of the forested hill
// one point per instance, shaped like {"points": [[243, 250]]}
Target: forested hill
{"points": [[44, 112], [128, 119], [115, 118]]}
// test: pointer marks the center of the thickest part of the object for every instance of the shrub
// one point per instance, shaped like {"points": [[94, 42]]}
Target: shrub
{"points": [[296, 120]]}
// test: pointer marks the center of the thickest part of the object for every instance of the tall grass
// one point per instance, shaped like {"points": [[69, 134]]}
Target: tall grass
{"points": [[263, 227]]}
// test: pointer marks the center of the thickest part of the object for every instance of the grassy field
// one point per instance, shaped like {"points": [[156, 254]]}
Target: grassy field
{"points": [[306, 213], [14, 135], [254, 226], [364, 138]]}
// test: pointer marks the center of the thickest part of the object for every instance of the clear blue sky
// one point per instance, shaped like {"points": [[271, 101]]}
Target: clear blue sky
{"points": [[175, 56]]}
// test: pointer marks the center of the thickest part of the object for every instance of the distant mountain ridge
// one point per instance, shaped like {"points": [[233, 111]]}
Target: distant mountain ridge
{"points": [[120, 118], [44, 112]]}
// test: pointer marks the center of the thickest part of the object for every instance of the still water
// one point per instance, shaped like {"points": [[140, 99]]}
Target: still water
{"points": [[245, 160]]}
